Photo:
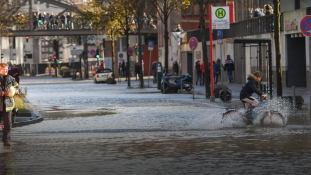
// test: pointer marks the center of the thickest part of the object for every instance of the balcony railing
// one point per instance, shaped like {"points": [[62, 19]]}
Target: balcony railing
{"points": [[253, 26]]}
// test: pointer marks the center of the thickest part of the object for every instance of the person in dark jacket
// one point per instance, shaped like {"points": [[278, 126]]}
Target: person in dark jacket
{"points": [[229, 67], [217, 70], [198, 70], [251, 87], [154, 70], [137, 70], [7, 85], [123, 68], [175, 68], [14, 72]]}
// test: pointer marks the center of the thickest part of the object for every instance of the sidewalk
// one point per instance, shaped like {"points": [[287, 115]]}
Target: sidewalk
{"points": [[235, 89]]}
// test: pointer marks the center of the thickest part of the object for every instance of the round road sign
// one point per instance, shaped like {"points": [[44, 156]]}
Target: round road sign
{"points": [[305, 25], [193, 43], [93, 52]]}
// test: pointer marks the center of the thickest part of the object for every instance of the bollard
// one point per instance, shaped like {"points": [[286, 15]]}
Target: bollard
{"points": [[180, 85], [294, 98]]}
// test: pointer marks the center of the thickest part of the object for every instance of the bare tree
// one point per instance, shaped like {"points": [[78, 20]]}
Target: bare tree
{"points": [[138, 7], [203, 4], [164, 9]]}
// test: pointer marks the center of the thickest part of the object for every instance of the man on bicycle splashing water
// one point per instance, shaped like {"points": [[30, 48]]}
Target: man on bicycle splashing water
{"points": [[246, 93]]}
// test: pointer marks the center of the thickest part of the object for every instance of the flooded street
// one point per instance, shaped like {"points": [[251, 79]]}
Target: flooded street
{"points": [[109, 129]]}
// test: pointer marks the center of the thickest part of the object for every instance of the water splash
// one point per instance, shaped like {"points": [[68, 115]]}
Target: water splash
{"points": [[272, 112]]}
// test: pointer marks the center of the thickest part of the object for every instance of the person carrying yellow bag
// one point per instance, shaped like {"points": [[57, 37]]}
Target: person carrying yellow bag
{"points": [[8, 87]]}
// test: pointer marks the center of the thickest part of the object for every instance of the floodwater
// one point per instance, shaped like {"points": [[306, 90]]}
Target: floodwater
{"points": [[109, 129]]}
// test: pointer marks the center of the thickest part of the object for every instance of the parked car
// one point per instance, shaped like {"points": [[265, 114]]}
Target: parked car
{"points": [[102, 75]]}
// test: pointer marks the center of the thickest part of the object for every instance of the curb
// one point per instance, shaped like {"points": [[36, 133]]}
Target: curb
{"points": [[24, 119]]}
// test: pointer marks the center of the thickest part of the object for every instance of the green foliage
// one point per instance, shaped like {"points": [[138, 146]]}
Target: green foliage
{"points": [[9, 15], [20, 100]]}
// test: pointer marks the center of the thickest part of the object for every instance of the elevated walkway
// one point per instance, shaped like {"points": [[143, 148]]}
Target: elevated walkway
{"points": [[53, 26]]}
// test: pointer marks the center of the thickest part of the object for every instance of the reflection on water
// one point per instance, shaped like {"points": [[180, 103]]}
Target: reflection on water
{"points": [[7, 163], [236, 151]]}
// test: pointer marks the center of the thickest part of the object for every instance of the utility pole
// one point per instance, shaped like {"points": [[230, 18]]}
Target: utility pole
{"points": [[277, 42], [86, 67], [56, 55]]}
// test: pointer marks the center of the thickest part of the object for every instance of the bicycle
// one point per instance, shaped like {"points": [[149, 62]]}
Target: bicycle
{"points": [[260, 115]]}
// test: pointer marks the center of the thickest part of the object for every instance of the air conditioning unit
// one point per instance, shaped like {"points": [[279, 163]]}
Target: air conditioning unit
{"points": [[308, 12]]}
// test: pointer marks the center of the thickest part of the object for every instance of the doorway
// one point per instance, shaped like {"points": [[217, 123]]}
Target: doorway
{"points": [[296, 61]]}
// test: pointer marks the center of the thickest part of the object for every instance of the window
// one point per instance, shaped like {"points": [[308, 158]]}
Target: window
{"points": [[103, 71], [196, 9], [188, 11]]}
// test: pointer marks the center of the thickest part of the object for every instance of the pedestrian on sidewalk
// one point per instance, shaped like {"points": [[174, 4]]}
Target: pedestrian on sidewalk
{"points": [[198, 70], [14, 72], [123, 69], [217, 69], [154, 69], [137, 70], [202, 68], [7, 85], [229, 67], [175, 68], [126, 68], [120, 69]]}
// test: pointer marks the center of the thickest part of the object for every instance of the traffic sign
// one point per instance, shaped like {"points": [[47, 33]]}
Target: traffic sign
{"points": [[129, 51], [221, 17], [97, 43], [75, 50], [193, 43], [120, 55], [150, 45], [305, 25], [93, 52], [220, 36]]}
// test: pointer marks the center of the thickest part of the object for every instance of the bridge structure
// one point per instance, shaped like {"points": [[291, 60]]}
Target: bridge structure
{"points": [[34, 56], [52, 26]]}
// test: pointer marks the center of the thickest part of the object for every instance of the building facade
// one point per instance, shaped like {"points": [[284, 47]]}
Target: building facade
{"points": [[295, 46]]}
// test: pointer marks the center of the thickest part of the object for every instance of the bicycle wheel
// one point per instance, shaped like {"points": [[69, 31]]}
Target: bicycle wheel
{"points": [[273, 119], [233, 118]]}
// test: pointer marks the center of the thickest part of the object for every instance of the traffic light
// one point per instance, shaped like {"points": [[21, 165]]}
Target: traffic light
{"points": [[50, 58], [56, 59], [27, 37], [97, 53], [2, 55]]}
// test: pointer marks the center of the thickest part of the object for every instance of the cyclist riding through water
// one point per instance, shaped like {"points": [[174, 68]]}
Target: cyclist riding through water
{"points": [[246, 93]]}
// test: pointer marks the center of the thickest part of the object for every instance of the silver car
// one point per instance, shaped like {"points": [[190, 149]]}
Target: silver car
{"points": [[102, 75]]}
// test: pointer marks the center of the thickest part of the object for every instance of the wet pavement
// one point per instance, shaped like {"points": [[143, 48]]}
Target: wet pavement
{"points": [[110, 129]]}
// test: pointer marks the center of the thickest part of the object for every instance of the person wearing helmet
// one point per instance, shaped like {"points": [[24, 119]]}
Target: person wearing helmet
{"points": [[251, 87]]}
